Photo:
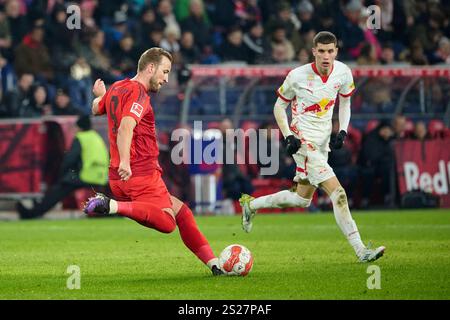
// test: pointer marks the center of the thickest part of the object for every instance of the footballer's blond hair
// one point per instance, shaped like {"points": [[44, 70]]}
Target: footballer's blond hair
{"points": [[153, 55]]}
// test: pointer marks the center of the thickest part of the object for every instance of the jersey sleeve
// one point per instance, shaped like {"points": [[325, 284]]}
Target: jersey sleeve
{"points": [[135, 104], [348, 86], [102, 105], [286, 91]]}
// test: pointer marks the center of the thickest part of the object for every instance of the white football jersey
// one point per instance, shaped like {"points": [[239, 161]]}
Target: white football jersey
{"points": [[313, 97]]}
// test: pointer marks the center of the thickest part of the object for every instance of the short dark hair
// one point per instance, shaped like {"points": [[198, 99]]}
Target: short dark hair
{"points": [[324, 37], [84, 122], [153, 55]]}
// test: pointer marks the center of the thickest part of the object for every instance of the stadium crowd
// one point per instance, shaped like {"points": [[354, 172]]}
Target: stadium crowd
{"points": [[48, 68]]}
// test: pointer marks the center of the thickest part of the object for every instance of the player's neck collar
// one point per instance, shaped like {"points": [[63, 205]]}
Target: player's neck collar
{"points": [[140, 82], [316, 71]]}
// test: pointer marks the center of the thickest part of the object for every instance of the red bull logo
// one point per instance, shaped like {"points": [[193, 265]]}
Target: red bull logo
{"points": [[319, 108]]}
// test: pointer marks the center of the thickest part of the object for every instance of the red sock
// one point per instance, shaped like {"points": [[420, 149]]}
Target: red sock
{"points": [[148, 215], [191, 235]]}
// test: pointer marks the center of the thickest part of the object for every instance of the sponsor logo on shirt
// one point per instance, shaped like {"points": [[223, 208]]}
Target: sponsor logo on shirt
{"points": [[137, 109], [319, 108]]}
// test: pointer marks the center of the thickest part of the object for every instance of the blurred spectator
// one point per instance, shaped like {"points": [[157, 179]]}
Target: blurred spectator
{"points": [[247, 12], [420, 131], [370, 34], [368, 55], [349, 31], [287, 20], [99, 59], [268, 9], [326, 17], [387, 54], [399, 126], [233, 49], [222, 14], [190, 54], [257, 44], [80, 85], [38, 105], [181, 9], [234, 181], [304, 56], [154, 37], [282, 48], [438, 101], [88, 22], [377, 162], [125, 56], [58, 36], [62, 105], [5, 37], [18, 23], [17, 99], [394, 20], [85, 165], [197, 23], [118, 29], [165, 16], [32, 55], [170, 43], [416, 54], [442, 53], [146, 24], [305, 11]]}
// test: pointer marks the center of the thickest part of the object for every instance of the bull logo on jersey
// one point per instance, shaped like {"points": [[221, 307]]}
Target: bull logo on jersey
{"points": [[320, 108]]}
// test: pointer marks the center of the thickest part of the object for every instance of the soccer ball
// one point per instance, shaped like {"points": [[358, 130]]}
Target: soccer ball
{"points": [[236, 260]]}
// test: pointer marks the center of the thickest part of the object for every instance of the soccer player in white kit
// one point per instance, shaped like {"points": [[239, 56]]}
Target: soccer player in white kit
{"points": [[312, 90]]}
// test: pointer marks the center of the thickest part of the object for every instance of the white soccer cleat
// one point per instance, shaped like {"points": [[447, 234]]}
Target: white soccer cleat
{"points": [[369, 255], [247, 213]]}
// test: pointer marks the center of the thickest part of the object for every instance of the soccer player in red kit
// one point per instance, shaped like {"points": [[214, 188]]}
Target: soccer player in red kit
{"points": [[134, 172]]}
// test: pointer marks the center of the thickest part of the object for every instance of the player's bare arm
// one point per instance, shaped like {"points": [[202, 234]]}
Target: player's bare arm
{"points": [[124, 137], [99, 91]]}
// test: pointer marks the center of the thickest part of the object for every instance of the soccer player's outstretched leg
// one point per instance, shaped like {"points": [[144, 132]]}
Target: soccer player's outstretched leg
{"points": [[311, 91], [134, 172]]}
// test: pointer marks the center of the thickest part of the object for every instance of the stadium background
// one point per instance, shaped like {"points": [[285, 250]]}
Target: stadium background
{"points": [[230, 56], [401, 73]]}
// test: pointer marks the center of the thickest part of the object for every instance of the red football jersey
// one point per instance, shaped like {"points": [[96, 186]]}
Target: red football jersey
{"points": [[129, 98]]}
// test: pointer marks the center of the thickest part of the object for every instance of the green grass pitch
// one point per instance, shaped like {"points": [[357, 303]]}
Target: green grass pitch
{"points": [[297, 256]]}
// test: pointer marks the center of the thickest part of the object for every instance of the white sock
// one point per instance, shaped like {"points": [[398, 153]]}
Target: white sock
{"points": [[280, 199], [213, 262], [344, 219], [113, 206]]}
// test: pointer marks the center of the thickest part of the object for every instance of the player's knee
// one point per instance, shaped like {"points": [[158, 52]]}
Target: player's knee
{"points": [[169, 228], [302, 202], [339, 197], [169, 223]]}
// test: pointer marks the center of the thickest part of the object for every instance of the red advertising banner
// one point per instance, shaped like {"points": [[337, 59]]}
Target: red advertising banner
{"points": [[425, 166], [21, 156], [282, 71]]}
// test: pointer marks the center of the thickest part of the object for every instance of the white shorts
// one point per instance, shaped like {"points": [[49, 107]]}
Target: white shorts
{"points": [[312, 164]]}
